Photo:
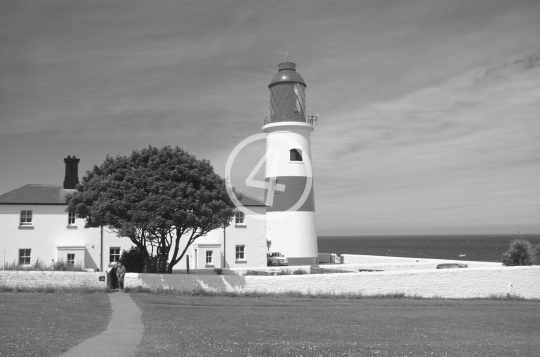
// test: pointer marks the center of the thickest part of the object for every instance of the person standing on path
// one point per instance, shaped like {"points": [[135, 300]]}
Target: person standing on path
{"points": [[111, 273], [120, 272]]}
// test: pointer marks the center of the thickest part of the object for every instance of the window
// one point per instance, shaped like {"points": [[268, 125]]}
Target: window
{"points": [[26, 218], [239, 217], [114, 255], [209, 257], [71, 258], [240, 252], [71, 218], [24, 256], [296, 155]]}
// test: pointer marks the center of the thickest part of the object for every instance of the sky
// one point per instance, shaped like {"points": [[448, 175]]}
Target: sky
{"points": [[429, 110]]}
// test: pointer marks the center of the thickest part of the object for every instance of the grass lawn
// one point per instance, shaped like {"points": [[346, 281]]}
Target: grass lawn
{"points": [[48, 324], [282, 326]]}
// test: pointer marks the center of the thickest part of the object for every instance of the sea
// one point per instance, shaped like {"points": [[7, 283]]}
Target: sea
{"points": [[486, 248]]}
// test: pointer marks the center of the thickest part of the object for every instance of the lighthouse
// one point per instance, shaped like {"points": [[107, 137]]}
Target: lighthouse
{"points": [[290, 225]]}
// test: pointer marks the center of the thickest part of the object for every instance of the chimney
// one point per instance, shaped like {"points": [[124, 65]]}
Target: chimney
{"points": [[72, 169]]}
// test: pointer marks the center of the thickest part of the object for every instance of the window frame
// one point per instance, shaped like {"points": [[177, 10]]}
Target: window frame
{"points": [[296, 152], [209, 257], [239, 218], [113, 254], [240, 252], [29, 256], [26, 219], [71, 218], [70, 261]]}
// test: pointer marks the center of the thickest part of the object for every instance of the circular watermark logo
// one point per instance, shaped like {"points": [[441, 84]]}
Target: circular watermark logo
{"points": [[272, 155]]}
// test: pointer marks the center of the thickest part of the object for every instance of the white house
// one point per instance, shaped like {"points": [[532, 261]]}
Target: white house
{"points": [[34, 225]]}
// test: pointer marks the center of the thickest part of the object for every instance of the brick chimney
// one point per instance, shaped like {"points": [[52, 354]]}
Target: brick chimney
{"points": [[72, 171]]}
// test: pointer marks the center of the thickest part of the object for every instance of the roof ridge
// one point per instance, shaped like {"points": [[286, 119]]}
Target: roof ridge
{"points": [[253, 198], [35, 194], [28, 184], [13, 191]]}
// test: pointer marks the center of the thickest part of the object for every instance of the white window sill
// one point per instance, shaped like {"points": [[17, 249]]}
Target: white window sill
{"points": [[26, 226], [240, 225], [296, 162], [71, 226], [209, 265], [240, 261]]}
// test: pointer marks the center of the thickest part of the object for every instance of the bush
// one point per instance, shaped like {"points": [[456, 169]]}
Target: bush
{"points": [[39, 264], [133, 260], [61, 265], [537, 254], [155, 264], [521, 252]]}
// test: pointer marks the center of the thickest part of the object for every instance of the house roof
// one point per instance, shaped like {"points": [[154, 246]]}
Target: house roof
{"points": [[36, 194], [247, 200], [56, 195]]}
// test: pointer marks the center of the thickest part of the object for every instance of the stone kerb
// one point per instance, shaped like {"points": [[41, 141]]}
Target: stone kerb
{"points": [[38, 278]]}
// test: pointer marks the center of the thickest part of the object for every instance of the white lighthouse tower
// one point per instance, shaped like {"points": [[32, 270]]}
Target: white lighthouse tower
{"points": [[290, 198]]}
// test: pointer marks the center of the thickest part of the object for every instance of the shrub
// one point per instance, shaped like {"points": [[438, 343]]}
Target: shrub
{"points": [[155, 264], [133, 260], [520, 253], [537, 253], [61, 265], [39, 264], [257, 272]]}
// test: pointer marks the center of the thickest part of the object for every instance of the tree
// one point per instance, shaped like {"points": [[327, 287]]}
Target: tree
{"points": [[521, 252], [155, 197]]}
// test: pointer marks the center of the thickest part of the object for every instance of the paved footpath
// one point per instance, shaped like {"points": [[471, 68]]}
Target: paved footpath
{"points": [[121, 337]]}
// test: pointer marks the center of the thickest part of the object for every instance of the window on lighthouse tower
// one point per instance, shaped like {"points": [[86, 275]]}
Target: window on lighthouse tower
{"points": [[296, 155]]}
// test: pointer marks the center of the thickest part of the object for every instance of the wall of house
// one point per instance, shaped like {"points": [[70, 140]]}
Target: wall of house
{"points": [[251, 235], [51, 238]]}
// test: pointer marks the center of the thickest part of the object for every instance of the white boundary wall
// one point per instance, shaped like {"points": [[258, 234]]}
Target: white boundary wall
{"points": [[445, 283], [37, 278]]}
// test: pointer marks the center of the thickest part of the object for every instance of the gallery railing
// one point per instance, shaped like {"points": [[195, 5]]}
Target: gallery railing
{"points": [[310, 119]]}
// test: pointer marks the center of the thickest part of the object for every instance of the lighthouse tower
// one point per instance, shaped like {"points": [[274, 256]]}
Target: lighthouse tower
{"points": [[290, 200]]}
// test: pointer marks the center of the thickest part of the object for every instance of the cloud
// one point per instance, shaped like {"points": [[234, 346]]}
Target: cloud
{"points": [[399, 118], [467, 146]]}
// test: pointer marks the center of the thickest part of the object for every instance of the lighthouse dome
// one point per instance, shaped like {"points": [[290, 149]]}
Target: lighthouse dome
{"points": [[287, 73]]}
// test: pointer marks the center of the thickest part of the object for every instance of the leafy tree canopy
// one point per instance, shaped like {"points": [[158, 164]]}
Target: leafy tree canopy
{"points": [[156, 197]]}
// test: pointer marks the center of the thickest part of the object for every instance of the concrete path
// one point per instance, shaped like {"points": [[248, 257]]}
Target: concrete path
{"points": [[121, 337]]}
